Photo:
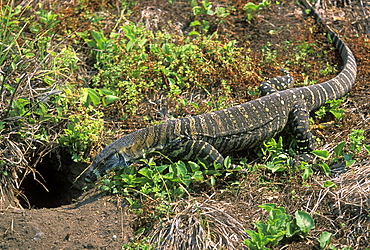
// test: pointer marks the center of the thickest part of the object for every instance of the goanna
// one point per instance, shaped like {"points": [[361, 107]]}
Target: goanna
{"points": [[240, 127]]}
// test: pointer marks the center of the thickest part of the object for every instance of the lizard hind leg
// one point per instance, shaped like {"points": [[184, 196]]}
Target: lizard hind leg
{"points": [[275, 84], [305, 141]]}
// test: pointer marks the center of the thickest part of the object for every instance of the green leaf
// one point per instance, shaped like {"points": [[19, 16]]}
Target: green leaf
{"points": [[330, 184], [338, 113], [193, 166], [323, 154], [275, 167], [307, 173], [94, 96], [325, 239], [108, 99], [367, 148], [325, 168], [304, 221], [292, 228], [257, 241], [339, 149], [195, 23], [181, 168], [227, 162], [268, 206], [213, 181], [194, 33], [348, 159], [147, 172], [249, 7], [161, 168], [198, 175], [129, 45], [100, 39]]}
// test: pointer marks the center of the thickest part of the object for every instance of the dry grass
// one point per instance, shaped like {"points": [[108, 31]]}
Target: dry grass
{"points": [[354, 187], [194, 224]]}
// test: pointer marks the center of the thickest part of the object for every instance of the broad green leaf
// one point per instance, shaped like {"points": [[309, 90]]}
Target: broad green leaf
{"points": [[147, 172], [325, 239], [193, 166], [105, 91], [129, 45], [304, 221], [195, 23], [307, 173], [348, 159], [108, 99], [198, 175], [181, 168], [325, 168], [227, 162], [339, 149], [275, 167], [323, 154], [213, 181], [94, 96], [194, 33], [161, 168], [292, 228]]}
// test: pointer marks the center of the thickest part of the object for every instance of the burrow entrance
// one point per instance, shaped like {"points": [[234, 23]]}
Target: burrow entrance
{"points": [[58, 177]]}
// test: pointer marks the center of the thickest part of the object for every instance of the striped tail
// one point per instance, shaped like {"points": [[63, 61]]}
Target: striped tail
{"points": [[341, 84]]}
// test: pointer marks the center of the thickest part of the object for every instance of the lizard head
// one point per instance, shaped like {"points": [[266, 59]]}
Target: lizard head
{"points": [[100, 166]]}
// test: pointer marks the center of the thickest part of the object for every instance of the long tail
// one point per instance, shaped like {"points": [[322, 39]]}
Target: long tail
{"points": [[341, 84]]}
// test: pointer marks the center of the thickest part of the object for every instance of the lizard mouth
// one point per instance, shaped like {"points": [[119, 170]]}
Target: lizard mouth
{"points": [[116, 160]]}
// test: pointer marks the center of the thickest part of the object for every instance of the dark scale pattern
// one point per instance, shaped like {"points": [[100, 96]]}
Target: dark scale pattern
{"points": [[237, 128]]}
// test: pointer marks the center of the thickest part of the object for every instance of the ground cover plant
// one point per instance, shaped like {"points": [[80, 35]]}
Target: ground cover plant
{"points": [[76, 76]]}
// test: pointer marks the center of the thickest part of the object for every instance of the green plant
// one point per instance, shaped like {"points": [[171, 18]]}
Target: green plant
{"points": [[325, 239], [10, 20], [278, 226], [138, 245], [138, 63], [356, 140], [251, 9], [156, 181], [81, 131], [333, 107], [93, 96], [277, 160], [47, 20], [269, 56], [163, 182], [206, 10]]}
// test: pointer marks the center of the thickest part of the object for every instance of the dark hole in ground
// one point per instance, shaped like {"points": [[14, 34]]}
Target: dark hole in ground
{"points": [[58, 177]]}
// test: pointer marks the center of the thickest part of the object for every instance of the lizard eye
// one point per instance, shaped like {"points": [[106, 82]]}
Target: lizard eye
{"points": [[116, 160]]}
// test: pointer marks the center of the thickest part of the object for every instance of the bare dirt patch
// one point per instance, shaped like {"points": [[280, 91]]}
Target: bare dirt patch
{"points": [[92, 222]]}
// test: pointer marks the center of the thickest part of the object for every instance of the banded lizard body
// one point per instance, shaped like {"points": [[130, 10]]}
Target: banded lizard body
{"points": [[240, 127]]}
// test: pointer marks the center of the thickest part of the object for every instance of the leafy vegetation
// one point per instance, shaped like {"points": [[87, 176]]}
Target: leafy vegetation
{"points": [[251, 9], [163, 182], [278, 226]]}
